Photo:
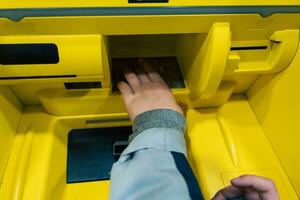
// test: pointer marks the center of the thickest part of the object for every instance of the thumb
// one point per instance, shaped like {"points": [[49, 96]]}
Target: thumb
{"points": [[257, 183]]}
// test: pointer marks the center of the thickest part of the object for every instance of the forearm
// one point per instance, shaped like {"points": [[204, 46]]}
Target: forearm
{"points": [[152, 163]]}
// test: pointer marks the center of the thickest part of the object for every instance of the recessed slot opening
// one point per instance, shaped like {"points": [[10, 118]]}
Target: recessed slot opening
{"points": [[22, 54], [82, 85], [248, 48], [161, 51], [37, 77]]}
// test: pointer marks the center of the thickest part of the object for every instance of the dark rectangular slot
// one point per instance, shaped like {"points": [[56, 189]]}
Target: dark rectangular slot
{"points": [[23, 54], [82, 85], [91, 152], [167, 67], [248, 48], [119, 147], [36, 77], [148, 1]]}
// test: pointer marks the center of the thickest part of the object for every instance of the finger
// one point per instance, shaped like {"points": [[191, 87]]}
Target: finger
{"points": [[154, 76], [126, 92], [125, 89], [144, 78], [258, 183], [133, 80], [227, 192]]}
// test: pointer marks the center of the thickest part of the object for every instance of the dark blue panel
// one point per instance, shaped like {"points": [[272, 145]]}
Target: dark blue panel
{"points": [[22, 54], [90, 153]]}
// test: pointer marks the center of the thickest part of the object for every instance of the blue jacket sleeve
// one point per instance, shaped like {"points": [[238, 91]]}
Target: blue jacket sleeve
{"points": [[154, 165]]}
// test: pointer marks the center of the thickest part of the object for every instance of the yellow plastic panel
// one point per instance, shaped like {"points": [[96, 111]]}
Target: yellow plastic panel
{"points": [[89, 190], [78, 55], [276, 103], [28, 91], [281, 51], [221, 96], [222, 143], [63, 102], [10, 115], [206, 71], [246, 29], [229, 141], [100, 101], [37, 168]]}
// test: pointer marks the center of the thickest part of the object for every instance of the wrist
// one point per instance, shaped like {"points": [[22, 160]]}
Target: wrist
{"points": [[158, 118]]}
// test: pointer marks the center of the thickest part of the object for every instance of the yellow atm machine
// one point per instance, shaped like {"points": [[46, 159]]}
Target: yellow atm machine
{"points": [[234, 66]]}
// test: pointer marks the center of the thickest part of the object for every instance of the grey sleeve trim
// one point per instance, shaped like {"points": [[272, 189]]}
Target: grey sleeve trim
{"points": [[158, 118]]}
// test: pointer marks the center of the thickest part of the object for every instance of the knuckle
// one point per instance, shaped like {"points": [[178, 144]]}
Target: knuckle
{"points": [[159, 85], [134, 81], [246, 176], [131, 76]]}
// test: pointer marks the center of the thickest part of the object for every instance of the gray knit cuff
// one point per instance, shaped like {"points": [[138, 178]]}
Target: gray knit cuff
{"points": [[158, 118]]}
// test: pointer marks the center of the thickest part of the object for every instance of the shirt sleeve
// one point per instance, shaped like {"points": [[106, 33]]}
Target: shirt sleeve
{"points": [[154, 165]]}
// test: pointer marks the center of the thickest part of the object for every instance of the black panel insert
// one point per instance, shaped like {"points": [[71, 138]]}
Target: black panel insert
{"points": [[22, 54], [148, 1], [82, 85], [249, 48], [91, 153]]}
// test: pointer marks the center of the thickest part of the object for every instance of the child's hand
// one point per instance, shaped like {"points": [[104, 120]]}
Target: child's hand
{"points": [[146, 90], [250, 187]]}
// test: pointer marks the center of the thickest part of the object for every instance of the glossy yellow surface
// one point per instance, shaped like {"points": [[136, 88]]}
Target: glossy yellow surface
{"points": [[275, 100], [10, 115], [242, 109], [226, 142], [205, 73], [37, 167], [88, 64], [282, 50], [186, 38], [222, 143]]}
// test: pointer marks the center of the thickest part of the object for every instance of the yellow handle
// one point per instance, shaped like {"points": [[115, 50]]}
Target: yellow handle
{"points": [[207, 70]]}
